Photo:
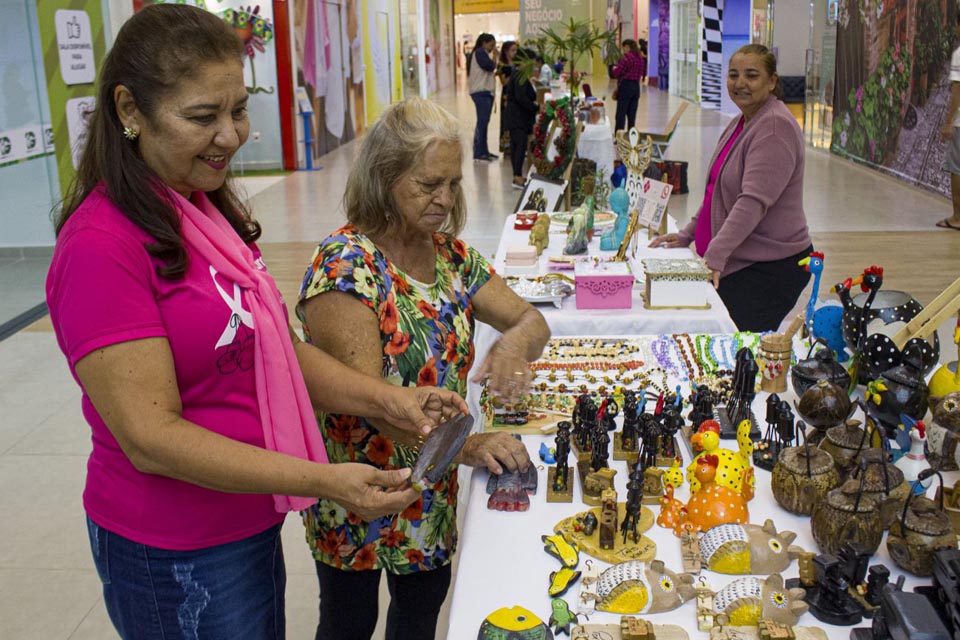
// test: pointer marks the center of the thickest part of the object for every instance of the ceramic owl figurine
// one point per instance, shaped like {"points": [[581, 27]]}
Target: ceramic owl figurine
{"points": [[745, 601], [747, 548], [632, 587]]}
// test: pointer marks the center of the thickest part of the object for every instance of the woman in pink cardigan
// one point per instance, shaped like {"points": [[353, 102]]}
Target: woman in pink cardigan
{"points": [[751, 230]]}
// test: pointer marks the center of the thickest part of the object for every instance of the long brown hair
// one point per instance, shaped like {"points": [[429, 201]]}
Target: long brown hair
{"points": [[769, 62], [156, 49]]}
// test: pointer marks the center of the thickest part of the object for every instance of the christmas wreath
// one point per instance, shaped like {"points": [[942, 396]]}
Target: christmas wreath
{"points": [[566, 142]]}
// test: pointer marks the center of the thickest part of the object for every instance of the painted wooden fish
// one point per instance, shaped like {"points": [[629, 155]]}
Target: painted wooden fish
{"points": [[562, 580], [566, 552]]}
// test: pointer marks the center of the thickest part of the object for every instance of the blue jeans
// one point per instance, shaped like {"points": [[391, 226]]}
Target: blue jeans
{"points": [[484, 103], [233, 590]]}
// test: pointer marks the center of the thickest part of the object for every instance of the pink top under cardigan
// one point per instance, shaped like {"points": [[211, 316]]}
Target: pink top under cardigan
{"points": [[702, 236], [756, 212]]}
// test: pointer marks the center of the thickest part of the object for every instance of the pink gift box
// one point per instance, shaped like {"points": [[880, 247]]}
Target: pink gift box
{"points": [[604, 285]]}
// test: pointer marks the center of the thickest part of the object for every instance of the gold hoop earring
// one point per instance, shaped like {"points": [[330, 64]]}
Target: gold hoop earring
{"points": [[130, 133]]}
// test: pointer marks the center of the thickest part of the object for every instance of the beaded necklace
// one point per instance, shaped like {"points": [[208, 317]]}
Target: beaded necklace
{"points": [[661, 351]]}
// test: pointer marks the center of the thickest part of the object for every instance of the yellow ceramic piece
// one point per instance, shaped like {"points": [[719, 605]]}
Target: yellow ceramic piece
{"points": [[732, 561], [674, 475], [628, 597], [514, 618], [747, 615], [557, 546], [561, 580], [735, 467], [945, 380]]}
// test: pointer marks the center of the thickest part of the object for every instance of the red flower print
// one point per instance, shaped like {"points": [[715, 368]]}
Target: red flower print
{"points": [[392, 537], [428, 374], [400, 284], [379, 449], [353, 518], [427, 309], [453, 486], [388, 316], [397, 345], [451, 344], [331, 542], [414, 511], [414, 557], [346, 430], [366, 558]]}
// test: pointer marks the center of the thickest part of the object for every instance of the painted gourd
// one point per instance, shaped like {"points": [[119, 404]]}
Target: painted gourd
{"points": [[745, 601], [632, 587], [747, 548]]}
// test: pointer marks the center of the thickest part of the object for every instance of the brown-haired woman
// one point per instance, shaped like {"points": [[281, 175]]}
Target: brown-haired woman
{"points": [[395, 294], [191, 381], [751, 229]]}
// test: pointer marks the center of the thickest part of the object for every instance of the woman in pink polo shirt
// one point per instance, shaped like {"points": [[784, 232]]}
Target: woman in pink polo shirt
{"points": [[751, 229], [199, 396]]}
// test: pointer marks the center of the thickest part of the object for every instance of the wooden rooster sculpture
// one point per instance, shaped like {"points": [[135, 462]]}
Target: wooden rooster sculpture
{"points": [[734, 469]]}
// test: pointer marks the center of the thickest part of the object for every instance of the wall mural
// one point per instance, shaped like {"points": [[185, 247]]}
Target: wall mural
{"points": [[893, 86]]}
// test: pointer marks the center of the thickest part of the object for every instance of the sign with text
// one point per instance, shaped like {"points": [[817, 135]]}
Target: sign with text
{"points": [[649, 198], [75, 46], [536, 15], [485, 6]]}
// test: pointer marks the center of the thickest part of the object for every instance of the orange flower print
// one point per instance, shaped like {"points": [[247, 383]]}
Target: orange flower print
{"points": [[331, 542], [451, 344], [400, 284], [452, 488], [428, 374], [427, 309], [414, 557], [379, 450], [397, 345], [353, 518], [389, 316], [392, 537], [365, 559], [414, 511], [343, 429]]}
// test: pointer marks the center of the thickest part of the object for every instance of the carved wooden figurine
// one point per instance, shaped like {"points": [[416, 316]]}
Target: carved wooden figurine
{"points": [[608, 519], [559, 488]]}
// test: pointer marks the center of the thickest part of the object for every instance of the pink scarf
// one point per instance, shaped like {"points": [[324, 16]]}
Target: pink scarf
{"points": [[289, 424]]}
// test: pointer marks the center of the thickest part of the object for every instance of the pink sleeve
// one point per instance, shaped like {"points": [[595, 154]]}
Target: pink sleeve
{"points": [[100, 292]]}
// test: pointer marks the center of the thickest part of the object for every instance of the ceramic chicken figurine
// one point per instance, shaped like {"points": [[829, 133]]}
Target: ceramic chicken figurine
{"points": [[674, 475], [734, 469], [713, 504], [826, 321], [912, 438]]}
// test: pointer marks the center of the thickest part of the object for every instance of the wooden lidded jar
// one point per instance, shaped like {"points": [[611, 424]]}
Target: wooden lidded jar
{"points": [[847, 515], [802, 477], [884, 482], [922, 529], [822, 406], [822, 365], [844, 443]]}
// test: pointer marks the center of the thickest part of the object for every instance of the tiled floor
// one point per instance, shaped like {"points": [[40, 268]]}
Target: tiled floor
{"points": [[50, 589]]}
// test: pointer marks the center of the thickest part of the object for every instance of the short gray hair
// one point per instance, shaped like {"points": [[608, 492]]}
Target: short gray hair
{"points": [[392, 147]]}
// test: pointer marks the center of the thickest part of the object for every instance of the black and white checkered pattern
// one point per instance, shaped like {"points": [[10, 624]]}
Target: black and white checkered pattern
{"points": [[711, 49]]}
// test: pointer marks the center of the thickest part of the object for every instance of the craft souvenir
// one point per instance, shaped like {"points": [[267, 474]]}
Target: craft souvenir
{"points": [[438, 451], [522, 260], [510, 490], [525, 220], [779, 435], [630, 628], [922, 529], [802, 477], [608, 241], [826, 322], [904, 615], [561, 580], [768, 630], [847, 515], [734, 468], [513, 623], [844, 444], [747, 548], [632, 587], [912, 438], [746, 601], [676, 283], [620, 203], [561, 618], [633, 507], [576, 235], [540, 233], [774, 353], [822, 406], [883, 482], [899, 390], [559, 487], [744, 391], [583, 529], [604, 285], [558, 547], [594, 483], [710, 505], [822, 365], [944, 432]]}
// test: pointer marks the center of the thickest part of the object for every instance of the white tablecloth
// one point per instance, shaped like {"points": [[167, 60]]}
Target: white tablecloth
{"points": [[596, 143], [502, 562]]}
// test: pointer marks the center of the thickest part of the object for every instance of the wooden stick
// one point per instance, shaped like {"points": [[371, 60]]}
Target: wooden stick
{"points": [[927, 321]]}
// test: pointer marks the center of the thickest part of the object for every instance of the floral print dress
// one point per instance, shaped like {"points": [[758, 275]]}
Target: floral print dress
{"points": [[426, 335]]}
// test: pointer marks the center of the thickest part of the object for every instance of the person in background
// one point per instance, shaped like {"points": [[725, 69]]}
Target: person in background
{"points": [[519, 116], [643, 68], [395, 294], [504, 70], [199, 396], [951, 133], [546, 72], [751, 229], [482, 84], [628, 72]]}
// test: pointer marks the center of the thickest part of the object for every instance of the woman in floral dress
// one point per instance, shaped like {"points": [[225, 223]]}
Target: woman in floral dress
{"points": [[394, 294]]}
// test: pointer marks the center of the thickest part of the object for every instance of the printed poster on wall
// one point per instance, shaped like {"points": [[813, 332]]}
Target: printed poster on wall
{"points": [[536, 15], [485, 6], [892, 87], [383, 81], [71, 36]]}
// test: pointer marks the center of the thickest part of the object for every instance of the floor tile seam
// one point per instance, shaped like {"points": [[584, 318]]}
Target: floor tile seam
{"points": [[97, 603]]}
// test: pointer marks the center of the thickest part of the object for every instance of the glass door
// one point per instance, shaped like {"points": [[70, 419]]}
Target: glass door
{"points": [[409, 50], [684, 48], [819, 72]]}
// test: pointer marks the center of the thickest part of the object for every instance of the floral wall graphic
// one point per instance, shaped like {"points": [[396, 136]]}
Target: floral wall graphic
{"points": [[255, 31], [892, 86]]}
